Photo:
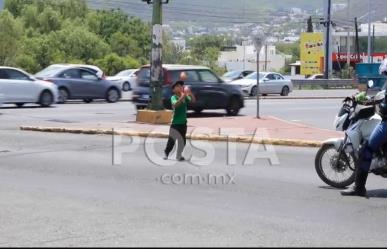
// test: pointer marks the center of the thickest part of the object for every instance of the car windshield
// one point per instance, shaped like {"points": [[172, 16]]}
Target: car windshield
{"points": [[231, 75], [125, 73], [253, 76], [49, 71]]}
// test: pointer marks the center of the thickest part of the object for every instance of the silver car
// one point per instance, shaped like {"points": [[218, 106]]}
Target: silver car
{"points": [[127, 79], [269, 83], [18, 87]]}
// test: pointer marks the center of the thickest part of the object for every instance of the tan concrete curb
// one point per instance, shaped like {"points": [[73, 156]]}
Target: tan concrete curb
{"points": [[214, 138]]}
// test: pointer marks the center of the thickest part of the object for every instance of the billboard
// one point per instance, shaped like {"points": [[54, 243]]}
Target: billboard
{"points": [[312, 53]]}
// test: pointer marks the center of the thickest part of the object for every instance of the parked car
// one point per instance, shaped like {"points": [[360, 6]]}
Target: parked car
{"points": [[18, 87], [126, 78], [75, 82], [236, 75], [316, 77], [211, 92], [269, 83]]}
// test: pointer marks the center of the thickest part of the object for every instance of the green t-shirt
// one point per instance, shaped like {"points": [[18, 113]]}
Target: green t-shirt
{"points": [[180, 112]]}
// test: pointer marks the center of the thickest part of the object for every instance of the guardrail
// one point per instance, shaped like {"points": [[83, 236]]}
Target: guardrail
{"points": [[331, 83]]}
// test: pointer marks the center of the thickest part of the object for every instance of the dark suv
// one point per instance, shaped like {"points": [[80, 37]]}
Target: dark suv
{"points": [[211, 92]]}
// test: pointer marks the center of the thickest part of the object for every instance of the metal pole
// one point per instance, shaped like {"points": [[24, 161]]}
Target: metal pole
{"points": [[156, 60], [348, 45], [327, 45], [266, 58], [357, 41], [373, 44], [369, 31], [258, 48], [244, 55]]}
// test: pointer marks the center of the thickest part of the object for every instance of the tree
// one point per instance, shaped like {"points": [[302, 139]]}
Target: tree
{"points": [[123, 45], [112, 63], [49, 20], [78, 42], [310, 25], [15, 7], [11, 31]]}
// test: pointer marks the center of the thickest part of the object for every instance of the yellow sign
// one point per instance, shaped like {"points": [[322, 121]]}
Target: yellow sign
{"points": [[312, 52]]}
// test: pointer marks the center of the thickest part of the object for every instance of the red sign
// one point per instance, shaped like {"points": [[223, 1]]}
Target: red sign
{"points": [[342, 57]]}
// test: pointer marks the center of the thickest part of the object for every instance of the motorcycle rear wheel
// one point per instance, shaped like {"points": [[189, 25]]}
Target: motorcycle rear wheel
{"points": [[343, 171]]}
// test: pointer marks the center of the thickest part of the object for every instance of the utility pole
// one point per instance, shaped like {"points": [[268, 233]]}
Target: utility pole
{"points": [[357, 40], [348, 38], [369, 32], [258, 41], [373, 44], [156, 71], [266, 57], [328, 55]]}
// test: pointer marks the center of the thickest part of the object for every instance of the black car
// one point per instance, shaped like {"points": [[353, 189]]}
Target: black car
{"points": [[211, 92]]}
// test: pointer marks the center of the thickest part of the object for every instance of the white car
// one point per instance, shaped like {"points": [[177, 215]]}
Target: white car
{"points": [[126, 78], [18, 87], [269, 83]]}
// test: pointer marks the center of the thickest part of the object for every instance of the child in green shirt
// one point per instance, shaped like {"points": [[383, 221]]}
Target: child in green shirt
{"points": [[178, 130]]}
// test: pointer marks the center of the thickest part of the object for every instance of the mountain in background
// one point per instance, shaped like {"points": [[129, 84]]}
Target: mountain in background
{"points": [[359, 8], [221, 11]]}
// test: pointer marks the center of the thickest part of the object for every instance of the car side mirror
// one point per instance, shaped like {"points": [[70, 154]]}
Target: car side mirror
{"points": [[265, 79]]}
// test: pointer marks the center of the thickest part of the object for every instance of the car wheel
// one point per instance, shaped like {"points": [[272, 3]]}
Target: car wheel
{"points": [[112, 95], [233, 107], [63, 96], [285, 91], [46, 99], [198, 110], [88, 100], [254, 91], [126, 86], [19, 105]]}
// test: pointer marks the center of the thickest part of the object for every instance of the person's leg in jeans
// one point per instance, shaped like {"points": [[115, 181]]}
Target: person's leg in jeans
{"points": [[171, 141], [378, 138], [182, 129]]}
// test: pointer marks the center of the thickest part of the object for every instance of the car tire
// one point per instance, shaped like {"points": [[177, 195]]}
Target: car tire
{"points": [[112, 95], [233, 107], [126, 87], [87, 101], [254, 91], [63, 95], [46, 99], [198, 110], [285, 91], [19, 105]]}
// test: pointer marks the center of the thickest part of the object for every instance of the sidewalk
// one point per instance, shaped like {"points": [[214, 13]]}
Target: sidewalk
{"points": [[270, 130]]}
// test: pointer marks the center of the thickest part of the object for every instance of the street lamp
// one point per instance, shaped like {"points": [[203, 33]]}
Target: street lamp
{"points": [[258, 40]]}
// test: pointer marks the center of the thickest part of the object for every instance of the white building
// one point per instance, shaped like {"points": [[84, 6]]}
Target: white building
{"points": [[339, 40], [179, 43], [245, 58]]}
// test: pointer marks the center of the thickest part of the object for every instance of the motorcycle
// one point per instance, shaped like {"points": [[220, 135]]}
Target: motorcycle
{"points": [[335, 161]]}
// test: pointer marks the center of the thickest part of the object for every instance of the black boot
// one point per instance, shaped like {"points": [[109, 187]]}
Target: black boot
{"points": [[359, 188]]}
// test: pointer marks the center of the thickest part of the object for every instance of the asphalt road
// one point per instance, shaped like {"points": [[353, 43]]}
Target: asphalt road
{"points": [[315, 112], [62, 190]]}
